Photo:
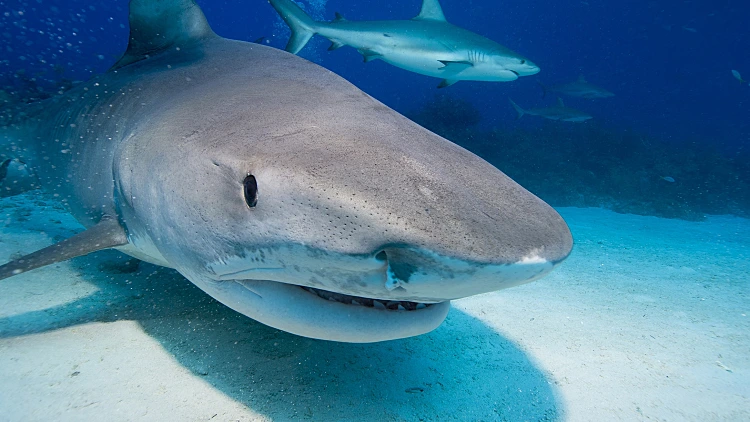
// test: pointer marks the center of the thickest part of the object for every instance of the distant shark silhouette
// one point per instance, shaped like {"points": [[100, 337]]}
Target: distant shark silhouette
{"points": [[579, 88], [277, 187], [426, 44], [559, 112]]}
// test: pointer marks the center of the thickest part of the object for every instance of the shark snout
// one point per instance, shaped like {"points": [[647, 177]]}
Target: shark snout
{"points": [[422, 275], [525, 67]]}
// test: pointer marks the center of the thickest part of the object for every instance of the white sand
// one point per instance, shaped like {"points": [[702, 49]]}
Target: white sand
{"points": [[645, 321]]}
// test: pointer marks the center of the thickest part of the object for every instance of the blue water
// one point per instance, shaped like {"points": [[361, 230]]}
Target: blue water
{"points": [[669, 81], [668, 63]]}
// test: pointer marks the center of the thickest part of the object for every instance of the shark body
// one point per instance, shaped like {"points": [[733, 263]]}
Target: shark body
{"points": [[426, 44], [277, 187], [560, 112], [580, 88]]}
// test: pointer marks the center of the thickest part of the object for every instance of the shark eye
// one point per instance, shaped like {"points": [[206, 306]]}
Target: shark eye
{"points": [[523, 61], [251, 191]]}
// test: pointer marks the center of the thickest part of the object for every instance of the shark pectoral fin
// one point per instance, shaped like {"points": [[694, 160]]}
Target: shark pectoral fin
{"points": [[157, 26], [455, 67], [106, 234], [447, 82], [335, 45], [369, 55], [431, 11]]}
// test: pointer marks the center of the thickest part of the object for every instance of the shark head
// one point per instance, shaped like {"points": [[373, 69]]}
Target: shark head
{"points": [[316, 209], [496, 63], [513, 64]]}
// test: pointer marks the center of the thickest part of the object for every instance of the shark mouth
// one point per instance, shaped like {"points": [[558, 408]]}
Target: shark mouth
{"points": [[392, 305], [325, 315]]}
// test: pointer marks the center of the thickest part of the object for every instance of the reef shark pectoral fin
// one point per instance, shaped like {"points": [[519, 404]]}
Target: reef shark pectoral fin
{"points": [[447, 82], [335, 45], [369, 55], [455, 67], [106, 234], [157, 26]]}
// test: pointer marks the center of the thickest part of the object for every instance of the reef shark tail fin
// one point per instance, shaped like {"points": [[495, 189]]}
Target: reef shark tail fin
{"points": [[302, 25], [159, 25], [518, 108], [108, 233], [544, 89]]}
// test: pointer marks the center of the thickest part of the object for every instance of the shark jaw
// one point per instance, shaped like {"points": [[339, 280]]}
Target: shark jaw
{"points": [[307, 312], [396, 293]]}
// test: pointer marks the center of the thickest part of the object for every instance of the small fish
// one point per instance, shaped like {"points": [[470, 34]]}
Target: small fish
{"points": [[690, 29], [737, 76], [669, 179]]}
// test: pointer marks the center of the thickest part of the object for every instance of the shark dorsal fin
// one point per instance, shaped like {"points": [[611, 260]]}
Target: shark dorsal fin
{"points": [[158, 25], [339, 18], [431, 11], [560, 102]]}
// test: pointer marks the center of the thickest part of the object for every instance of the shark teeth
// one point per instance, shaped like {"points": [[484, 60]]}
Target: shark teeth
{"points": [[401, 305]]}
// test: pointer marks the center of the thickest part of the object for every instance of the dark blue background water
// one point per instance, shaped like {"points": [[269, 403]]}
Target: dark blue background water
{"points": [[668, 62]]}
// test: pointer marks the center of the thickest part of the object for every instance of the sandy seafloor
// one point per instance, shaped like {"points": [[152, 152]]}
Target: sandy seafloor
{"points": [[647, 320]]}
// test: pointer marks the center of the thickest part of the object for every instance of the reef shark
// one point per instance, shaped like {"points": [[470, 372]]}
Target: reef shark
{"points": [[278, 187], [579, 88], [426, 44], [559, 112]]}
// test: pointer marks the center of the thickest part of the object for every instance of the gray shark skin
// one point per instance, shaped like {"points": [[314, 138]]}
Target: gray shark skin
{"points": [[279, 188], [559, 112], [426, 44], [579, 88]]}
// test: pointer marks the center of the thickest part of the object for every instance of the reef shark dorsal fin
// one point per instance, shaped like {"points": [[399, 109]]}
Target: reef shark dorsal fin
{"points": [[560, 102], [339, 18], [158, 25], [431, 10], [106, 234]]}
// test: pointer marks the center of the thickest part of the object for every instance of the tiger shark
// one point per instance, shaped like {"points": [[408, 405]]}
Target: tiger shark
{"points": [[277, 187], [426, 44]]}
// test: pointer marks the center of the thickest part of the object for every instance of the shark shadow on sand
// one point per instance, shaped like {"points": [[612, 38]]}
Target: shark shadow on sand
{"points": [[275, 368]]}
